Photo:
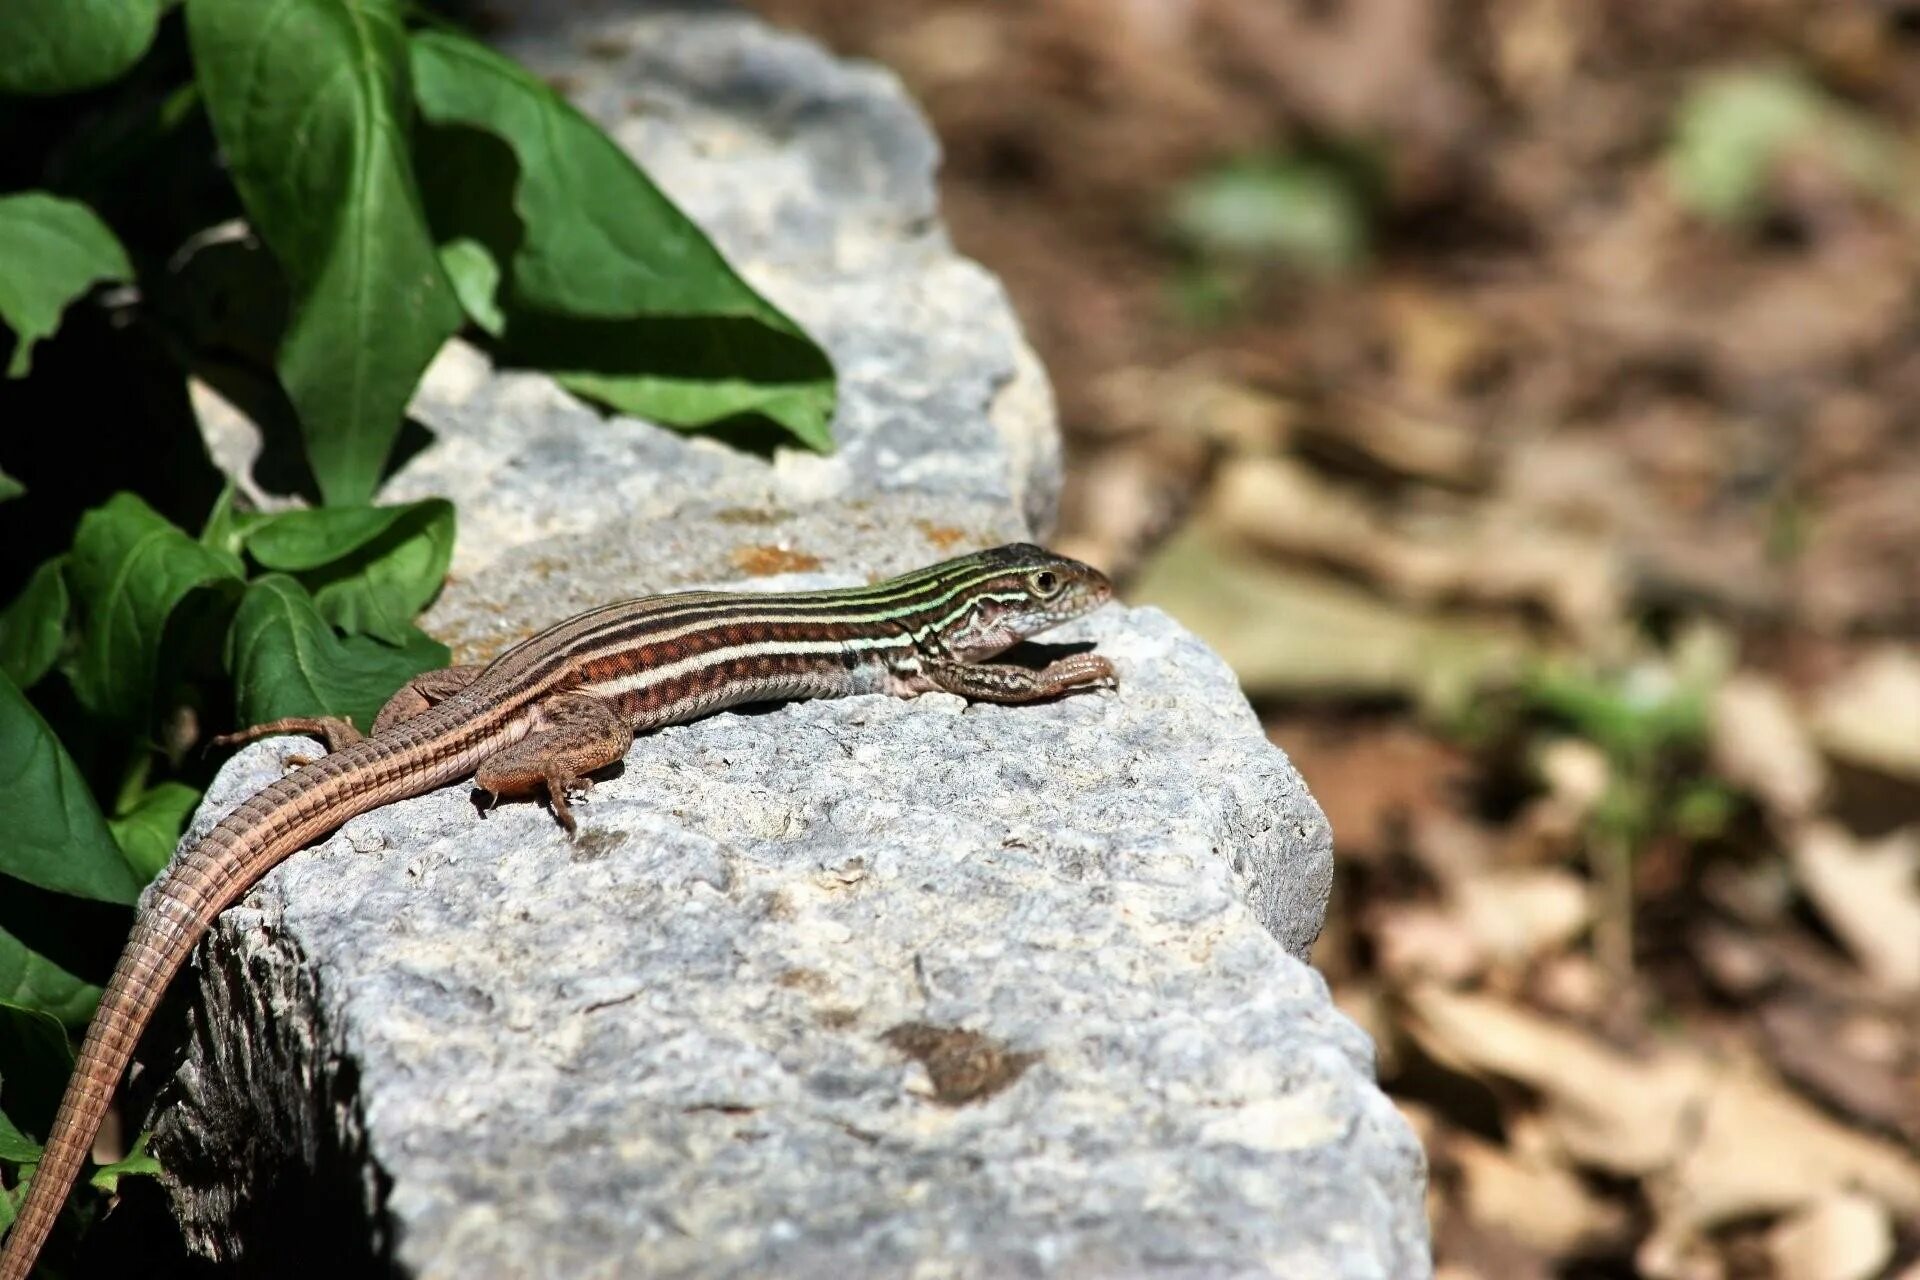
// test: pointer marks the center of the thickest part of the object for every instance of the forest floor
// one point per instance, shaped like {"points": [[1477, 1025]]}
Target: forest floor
{"points": [[1525, 396]]}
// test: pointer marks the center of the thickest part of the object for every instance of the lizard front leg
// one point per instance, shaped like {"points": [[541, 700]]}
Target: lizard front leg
{"points": [[415, 696], [572, 736], [1006, 682]]}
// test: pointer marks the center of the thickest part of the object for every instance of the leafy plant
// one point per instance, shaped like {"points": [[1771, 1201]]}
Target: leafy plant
{"points": [[1649, 722], [294, 204]]}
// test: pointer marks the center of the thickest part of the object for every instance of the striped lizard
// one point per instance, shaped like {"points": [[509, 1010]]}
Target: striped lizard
{"points": [[549, 712]]}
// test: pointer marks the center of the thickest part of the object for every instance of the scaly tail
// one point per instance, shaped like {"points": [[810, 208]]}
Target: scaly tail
{"points": [[424, 753]]}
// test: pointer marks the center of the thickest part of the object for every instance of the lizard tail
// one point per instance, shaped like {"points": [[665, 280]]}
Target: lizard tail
{"points": [[198, 885], [138, 981]]}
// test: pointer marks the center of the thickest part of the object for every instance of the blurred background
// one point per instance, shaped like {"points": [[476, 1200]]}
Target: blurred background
{"points": [[1524, 395]]}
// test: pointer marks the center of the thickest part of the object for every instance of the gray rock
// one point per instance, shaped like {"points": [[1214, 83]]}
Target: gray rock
{"points": [[676, 1046], [857, 988]]}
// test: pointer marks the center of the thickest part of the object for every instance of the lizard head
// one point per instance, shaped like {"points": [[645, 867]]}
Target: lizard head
{"points": [[1007, 594]]}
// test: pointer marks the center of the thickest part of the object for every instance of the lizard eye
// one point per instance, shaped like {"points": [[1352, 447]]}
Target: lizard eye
{"points": [[1046, 582]]}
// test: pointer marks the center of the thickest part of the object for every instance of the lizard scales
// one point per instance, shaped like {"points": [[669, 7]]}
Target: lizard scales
{"points": [[550, 711]]}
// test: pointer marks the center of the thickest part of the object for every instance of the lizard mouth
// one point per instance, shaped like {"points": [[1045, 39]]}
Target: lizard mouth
{"points": [[1037, 655]]}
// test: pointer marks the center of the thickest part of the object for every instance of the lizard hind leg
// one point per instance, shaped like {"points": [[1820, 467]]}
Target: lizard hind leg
{"points": [[335, 731], [572, 736], [423, 691], [415, 696]]}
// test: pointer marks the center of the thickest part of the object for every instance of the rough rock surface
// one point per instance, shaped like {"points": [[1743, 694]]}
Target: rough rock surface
{"points": [[855, 988]]}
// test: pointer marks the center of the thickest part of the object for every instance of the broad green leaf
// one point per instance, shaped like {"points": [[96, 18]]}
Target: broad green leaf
{"points": [[64, 46], [55, 836], [704, 391], [665, 327], [34, 981], [10, 488], [286, 660], [15, 1146], [51, 252], [128, 569], [370, 569], [310, 102], [136, 1163], [33, 626], [149, 829], [37, 1061]]}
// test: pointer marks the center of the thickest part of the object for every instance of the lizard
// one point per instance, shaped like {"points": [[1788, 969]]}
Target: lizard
{"points": [[545, 715]]}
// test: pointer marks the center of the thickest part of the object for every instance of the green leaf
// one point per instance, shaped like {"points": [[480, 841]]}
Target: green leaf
{"points": [[663, 326], [136, 1163], [51, 252], [226, 528], [1734, 127], [11, 1199], [149, 829], [55, 836], [286, 660], [34, 981], [1301, 210], [1727, 133], [15, 1146], [370, 569], [310, 102], [128, 569], [34, 625], [38, 1062], [476, 280], [64, 46], [10, 488]]}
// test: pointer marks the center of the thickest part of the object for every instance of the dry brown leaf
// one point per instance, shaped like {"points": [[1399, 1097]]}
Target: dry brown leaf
{"points": [[1450, 845], [1759, 743], [1291, 633], [1609, 1111], [1372, 780], [1854, 1062], [1401, 440], [1757, 1148], [1736, 964], [1194, 402], [1714, 1141], [1515, 915], [1537, 46], [1416, 943], [1485, 556], [1841, 1237], [1871, 716], [1869, 891], [1574, 984], [1502, 919], [1539, 1202], [1577, 775]]}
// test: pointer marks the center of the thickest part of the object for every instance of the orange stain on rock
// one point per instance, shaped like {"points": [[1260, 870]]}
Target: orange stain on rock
{"points": [[941, 536], [764, 561]]}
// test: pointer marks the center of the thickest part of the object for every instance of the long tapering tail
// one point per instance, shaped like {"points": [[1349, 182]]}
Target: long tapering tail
{"points": [[200, 883]]}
